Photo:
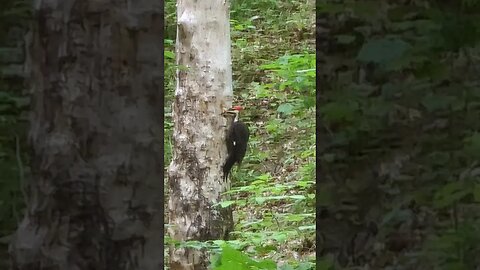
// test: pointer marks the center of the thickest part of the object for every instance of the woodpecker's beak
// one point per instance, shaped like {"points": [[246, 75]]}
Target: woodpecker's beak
{"points": [[234, 110], [227, 112]]}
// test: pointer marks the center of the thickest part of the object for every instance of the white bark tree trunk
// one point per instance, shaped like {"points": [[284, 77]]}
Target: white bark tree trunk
{"points": [[204, 88], [95, 200]]}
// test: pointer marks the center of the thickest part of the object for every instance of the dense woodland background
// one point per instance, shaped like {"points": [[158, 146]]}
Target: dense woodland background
{"points": [[14, 105], [274, 71], [400, 143]]}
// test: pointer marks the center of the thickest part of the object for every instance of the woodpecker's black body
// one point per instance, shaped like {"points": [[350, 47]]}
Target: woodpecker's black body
{"points": [[237, 139]]}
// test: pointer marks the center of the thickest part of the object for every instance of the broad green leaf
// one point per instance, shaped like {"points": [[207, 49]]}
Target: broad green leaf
{"points": [[325, 263], [472, 145], [367, 9], [225, 204], [285, 108], [169, 54], [305, 266], [307, 228], [295, 218], [437, 102], [260, 200], [476, 193], [382, 51], [232, 259], [324, 197], [297, 197], [265, 249], [345, 39], [286, 267], [338, 112], [449, 194], [280, 237]]}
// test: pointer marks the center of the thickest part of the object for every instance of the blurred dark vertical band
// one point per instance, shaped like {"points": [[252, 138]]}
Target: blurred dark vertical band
{"points": [[318, 136], [162, 113]]}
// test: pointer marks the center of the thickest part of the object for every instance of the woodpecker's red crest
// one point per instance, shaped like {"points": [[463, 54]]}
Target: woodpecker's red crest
{"points": [[237, 108]]}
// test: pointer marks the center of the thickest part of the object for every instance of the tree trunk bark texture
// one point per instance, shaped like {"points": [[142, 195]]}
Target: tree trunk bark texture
{"points": [[95, 198], [204, 88]]}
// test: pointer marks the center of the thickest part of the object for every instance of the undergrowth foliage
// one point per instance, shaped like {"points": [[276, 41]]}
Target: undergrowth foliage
{"points": [[273, 193], [400, 116], [14, 18]]}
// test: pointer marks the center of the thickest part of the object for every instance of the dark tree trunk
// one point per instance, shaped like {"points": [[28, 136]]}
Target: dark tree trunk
{"points": [[95, 200]]}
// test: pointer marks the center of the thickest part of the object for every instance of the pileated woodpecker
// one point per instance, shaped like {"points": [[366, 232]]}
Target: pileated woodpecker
{"points": [[237, 139]]}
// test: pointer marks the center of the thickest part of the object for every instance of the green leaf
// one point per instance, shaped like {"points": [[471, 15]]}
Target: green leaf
{"points": [[472, 145], [263, 177], [324, 197], [169, 54], [280, 237], [305, 266], [325, 263], [382, 51], [339, 111], [345, 39], [260, 200], [476, 193], [307, 228], [295, 218], [265, 249], [297, 197], [437, 102], [449, 194], [225, 204], [365, 9], [232, 259], [286, 267], [285, 108]]}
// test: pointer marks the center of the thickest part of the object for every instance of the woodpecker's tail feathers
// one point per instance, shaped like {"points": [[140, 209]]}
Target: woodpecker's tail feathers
{"points": [[228, 166]]}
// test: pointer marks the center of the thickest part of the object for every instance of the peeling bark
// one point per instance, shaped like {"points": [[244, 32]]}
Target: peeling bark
{"points": [[204, 88], [95, 198]]}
